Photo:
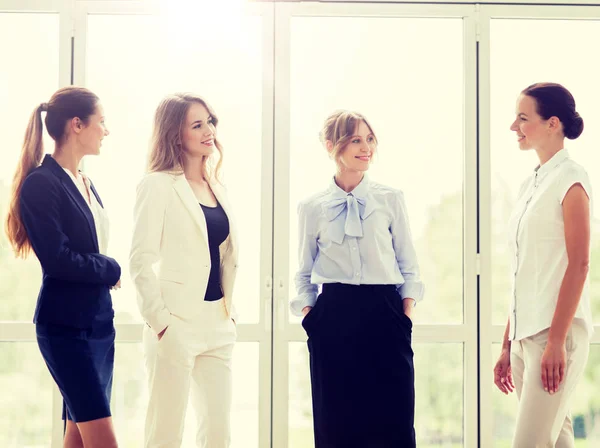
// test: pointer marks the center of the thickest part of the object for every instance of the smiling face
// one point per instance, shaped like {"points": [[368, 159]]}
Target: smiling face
{"points": [[531, 129], [358, 152], [198, 136], [88, 135]]}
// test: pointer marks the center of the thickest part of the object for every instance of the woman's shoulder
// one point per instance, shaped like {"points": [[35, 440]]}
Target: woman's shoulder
{"points": [[40, 177], [314, 201], [157, 179], [385, 192], [41, 186], [572, 173], [572, 168]]}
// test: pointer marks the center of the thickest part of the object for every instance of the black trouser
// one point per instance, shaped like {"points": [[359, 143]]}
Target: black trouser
{"points": [[361, 368]]}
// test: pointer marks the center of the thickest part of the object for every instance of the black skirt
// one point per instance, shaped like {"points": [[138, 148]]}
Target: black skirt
{"points": [[81, 361], [361, 367]]}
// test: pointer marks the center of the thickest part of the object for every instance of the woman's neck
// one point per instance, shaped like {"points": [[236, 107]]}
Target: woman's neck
{"points": [[67, 158], [348, 180]]}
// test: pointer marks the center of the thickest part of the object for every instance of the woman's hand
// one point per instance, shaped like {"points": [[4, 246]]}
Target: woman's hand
{"points": [[553, 361], [503, 378], [306, 310], [408, 305]]}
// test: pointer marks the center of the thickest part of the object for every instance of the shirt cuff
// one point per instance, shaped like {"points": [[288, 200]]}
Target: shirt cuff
{"points": [[412, 290], [303, 300]]}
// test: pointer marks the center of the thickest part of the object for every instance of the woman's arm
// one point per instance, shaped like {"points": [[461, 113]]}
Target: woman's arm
{"points": [[149, 215], [412, 290], [40, 211], [576, 214], [307, 253]]}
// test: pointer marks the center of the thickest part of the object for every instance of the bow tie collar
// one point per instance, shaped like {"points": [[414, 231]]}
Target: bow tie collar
{"points": [[346, 211]]}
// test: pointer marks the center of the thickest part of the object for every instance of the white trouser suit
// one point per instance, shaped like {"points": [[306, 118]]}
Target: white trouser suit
{"points": [[170, 265]]}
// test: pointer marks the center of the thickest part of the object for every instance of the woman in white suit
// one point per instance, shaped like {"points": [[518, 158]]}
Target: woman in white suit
{"points": [[183, 263]]}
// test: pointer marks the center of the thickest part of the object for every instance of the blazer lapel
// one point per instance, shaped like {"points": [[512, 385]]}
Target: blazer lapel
{"points": [[74, 193], [96, 194], [187, 196]]}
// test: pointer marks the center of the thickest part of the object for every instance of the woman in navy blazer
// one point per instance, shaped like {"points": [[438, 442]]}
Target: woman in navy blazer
{"points": [[57, 212]]}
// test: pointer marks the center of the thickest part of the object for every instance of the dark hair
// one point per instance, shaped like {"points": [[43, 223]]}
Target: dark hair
{"points": [[553, 100], [66, 104]]}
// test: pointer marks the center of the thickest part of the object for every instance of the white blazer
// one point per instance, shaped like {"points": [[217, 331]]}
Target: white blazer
{"points": [[169, 261]]}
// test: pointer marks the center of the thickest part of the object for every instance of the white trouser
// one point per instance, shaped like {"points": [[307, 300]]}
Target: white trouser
{"points": [[194, 352], [544, 420]]}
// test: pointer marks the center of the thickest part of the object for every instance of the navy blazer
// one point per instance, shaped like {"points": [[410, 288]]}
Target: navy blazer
{"points": [[60, 226]]}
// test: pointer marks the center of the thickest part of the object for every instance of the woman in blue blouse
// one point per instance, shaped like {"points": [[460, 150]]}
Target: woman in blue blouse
{"points": [[355, 240]]}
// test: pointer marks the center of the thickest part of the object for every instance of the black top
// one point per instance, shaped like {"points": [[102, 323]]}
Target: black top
{"points": [[217, 226]]}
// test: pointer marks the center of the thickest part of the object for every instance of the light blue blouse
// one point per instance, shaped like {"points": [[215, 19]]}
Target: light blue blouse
{"points": [[361, 237]]}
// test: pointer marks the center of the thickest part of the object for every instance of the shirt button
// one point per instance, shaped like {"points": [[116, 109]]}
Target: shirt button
{"points": [[353, 248], [358, 274]]}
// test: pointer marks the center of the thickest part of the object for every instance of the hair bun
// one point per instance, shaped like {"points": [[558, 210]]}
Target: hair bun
{"points": [[44, 107], [575, 127]]}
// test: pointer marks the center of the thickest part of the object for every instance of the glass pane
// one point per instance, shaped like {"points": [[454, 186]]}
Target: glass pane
{"points": [[373, 73], [439, 412], [130, 397], [152, 61], [130, 394], [586, 404], [25, 82], [584, 410], [300, 432], [509, 166], [26, 411], [439, 392], [505, 408], [245, 415]]}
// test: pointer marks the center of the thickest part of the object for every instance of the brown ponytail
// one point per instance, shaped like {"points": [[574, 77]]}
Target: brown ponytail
{"points": [[65, 104], [31, 156]]}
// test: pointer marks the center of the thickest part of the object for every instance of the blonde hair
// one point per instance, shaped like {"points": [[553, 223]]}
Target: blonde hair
{"points": [[166, 151], [339, 129], [66, 104]]}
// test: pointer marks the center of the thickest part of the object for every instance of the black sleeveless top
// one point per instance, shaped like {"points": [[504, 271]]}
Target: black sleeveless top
{"points": [[217, 226]]}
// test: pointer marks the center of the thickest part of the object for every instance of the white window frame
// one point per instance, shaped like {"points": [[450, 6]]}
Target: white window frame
{"points": [[285, 332], [261, 332], [73, 30], [25, 331], [490, 333], [274, 332], [65, 11]]}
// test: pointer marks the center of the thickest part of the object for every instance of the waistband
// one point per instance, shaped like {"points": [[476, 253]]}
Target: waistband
{"points": [[345, 288]]}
